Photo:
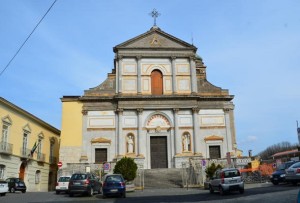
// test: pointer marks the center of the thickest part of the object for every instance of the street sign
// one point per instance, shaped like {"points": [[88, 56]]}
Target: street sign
{"points": [[106, 166], [59, 164]]}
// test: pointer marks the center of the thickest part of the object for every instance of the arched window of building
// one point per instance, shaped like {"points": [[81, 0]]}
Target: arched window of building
{"points": [[186, 142], [2, 168], [37, 177], [156, 82]]}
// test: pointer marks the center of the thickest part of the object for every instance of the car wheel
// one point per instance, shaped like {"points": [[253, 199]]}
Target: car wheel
{"points": [[242, 191], [211, 190], [124, 195], [221, 190], [275, 182], [57, 192], [2, 194], [71, 194], [91, 192], [13, 190], [103, 196], [23, 191]]}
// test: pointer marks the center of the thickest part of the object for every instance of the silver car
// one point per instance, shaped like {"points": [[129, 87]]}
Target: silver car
{"points": [[293, 173], [225, 180]]}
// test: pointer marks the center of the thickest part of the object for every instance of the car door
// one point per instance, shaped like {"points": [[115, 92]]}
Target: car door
{"points": [[215, 180]]}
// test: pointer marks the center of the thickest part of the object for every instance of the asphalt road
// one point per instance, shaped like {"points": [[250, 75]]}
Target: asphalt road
{"points": [[255, 193]]}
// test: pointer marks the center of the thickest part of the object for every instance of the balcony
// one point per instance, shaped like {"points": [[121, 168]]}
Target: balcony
{"points": [[25, 152], [52, 160], [6, 148], [40, 157]]}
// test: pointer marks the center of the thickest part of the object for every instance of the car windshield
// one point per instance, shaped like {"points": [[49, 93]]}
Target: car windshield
{"points": [[79, 177], [64, 179], [114, 179], [231, 173]]}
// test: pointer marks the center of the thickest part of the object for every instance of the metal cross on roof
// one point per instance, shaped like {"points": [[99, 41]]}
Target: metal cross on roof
{"points": [[154, 15]]}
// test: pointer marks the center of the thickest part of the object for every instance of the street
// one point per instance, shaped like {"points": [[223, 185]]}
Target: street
{"points": [[266, 193]]}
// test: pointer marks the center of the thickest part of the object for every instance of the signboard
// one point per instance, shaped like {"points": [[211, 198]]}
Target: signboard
{"points": [[59, 164], [106, 166]]}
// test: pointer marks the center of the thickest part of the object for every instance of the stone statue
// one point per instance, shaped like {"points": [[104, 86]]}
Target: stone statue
{"points": [[130, 144], [186, 143]]}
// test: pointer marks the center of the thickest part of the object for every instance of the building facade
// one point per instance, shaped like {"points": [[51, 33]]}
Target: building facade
{"points": [[156, 106], [20, 132]]}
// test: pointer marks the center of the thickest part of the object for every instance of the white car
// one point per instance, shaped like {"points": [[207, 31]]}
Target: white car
{"points": [[62, 184], [3, 187]]}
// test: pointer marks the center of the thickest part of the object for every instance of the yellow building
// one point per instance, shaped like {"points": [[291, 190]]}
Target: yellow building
{"points": [[20, 131]]}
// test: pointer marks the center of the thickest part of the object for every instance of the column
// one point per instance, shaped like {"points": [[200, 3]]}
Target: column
{"points": [[228, 131], [177, 140], [139, 136], [139, 77], [120, 74], [193, 75], [121, 139], [196, 131], [117, 151], [174, 84]]}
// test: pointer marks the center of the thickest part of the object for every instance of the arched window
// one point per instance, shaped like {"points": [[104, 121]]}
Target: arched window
{"points": [[37, 177], [156, 82]]}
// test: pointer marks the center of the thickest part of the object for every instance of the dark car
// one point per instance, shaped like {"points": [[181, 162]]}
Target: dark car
{"points": [[84, 183], [279, 175], [16, 184], [113, 184]]}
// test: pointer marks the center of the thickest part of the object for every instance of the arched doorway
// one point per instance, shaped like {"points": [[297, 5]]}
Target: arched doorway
{"points": [[156, 82], [22, 171]]}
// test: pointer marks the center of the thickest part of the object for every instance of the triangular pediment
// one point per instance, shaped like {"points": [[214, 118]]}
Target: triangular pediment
{"points": [[27, 128], [7, 120], [155, 38], [213, 138], [100, 140]]}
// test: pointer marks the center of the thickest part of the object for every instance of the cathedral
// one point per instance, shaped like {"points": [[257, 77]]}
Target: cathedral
{"points": [[156, 106]]}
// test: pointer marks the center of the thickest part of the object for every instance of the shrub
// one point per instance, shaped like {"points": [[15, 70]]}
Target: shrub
{"points": [[127, 167], [210, 170]]}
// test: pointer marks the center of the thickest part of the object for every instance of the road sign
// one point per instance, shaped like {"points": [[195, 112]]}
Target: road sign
{"points": [[106, 166], [59, 164]]}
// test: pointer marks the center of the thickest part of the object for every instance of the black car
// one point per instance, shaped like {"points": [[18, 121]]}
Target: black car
{"points": [[16, 184], [84, 183], [279, 175]]}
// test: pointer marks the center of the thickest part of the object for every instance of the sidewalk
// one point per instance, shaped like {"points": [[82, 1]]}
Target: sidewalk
{"points": [[256, 185]]}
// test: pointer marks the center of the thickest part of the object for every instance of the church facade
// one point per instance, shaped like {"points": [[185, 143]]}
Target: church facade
{"points": [[156, 106]]}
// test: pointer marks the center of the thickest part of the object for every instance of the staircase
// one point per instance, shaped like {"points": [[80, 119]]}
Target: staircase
{"points": [[163, 178]]}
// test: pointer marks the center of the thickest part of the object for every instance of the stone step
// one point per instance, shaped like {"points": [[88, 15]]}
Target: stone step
{"points": [[163, 178]]}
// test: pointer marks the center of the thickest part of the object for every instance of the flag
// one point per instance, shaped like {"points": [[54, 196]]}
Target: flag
{"points": [[33, 149]]}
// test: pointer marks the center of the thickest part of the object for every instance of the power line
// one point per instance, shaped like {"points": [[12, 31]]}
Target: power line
{"points": [[27, 38]]}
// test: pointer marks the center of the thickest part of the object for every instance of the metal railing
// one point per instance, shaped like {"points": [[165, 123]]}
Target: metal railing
{"points": [[40, 157], [25, 152], [6, 148]]}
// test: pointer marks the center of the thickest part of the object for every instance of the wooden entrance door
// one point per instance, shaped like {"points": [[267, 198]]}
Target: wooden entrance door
{"points": [[100, 155], [156, 83], [214, 152], [158, 150], [22, 172]]}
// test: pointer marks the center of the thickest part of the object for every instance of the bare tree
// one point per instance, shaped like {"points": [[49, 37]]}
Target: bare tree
{"points": [[273, 149]]}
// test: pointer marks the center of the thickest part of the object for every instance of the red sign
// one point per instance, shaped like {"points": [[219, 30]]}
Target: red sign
{"points": [[59, 164]]}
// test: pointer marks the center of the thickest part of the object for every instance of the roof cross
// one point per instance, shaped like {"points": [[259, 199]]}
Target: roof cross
{"points": [[154, 15]]}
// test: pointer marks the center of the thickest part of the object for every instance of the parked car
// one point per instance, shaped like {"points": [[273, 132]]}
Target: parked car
{"points": [[293, 174], [62, 184], [113, 184], [225, 180], [3, 187], [84, 183], [16, 184], [279, 175]]}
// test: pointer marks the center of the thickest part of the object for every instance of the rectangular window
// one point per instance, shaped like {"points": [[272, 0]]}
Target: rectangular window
{"points": [[39, 149], [25, 141], [2, 167], [214, 152], [4, 133], [100, 155]]}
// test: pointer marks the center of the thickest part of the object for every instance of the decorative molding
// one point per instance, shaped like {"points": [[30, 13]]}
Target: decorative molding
{"points": [[176, 110], [195, 109], [212, 127], [100, 140], [140, 111], [213, 138], [84, 112]]}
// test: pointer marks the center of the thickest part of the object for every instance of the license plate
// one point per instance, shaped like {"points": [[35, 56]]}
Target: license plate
{"points": [[114, 190], [21, 184], [232, 181], [76, 183], [275, 178], [63, 188]]}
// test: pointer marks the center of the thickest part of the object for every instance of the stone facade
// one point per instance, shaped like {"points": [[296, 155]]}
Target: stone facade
{"points": [[157, 91]]}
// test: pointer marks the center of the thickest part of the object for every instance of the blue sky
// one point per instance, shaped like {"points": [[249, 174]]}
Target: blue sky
{"points": [[251, 47]]}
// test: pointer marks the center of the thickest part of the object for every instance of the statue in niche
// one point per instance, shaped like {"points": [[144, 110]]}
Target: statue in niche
{"points": [[130, 144], [186, 142]]}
